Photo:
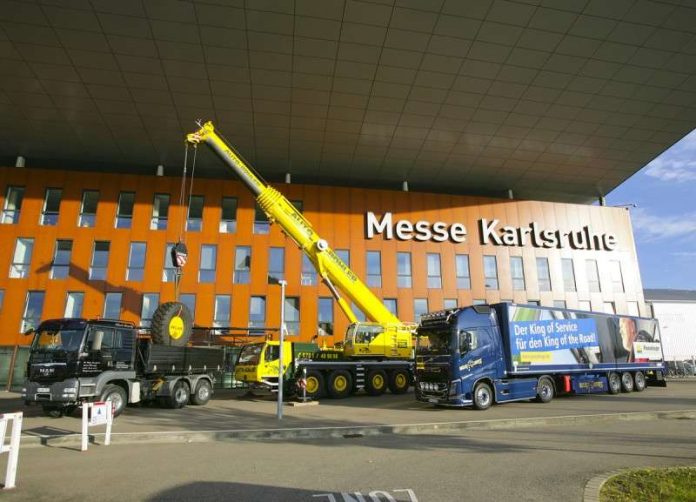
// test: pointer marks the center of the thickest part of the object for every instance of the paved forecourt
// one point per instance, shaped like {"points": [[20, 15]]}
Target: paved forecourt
{"points": [[230, 415]]}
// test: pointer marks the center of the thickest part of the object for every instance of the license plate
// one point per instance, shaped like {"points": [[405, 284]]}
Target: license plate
{"points": [[43, 389], [433, 400]]}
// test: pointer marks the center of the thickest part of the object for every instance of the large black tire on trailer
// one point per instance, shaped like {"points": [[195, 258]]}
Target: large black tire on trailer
{"points": [[172, 323]]}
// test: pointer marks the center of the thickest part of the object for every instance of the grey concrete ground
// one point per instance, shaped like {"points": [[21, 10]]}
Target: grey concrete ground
{"points": [[228, 416], [529, 464]]}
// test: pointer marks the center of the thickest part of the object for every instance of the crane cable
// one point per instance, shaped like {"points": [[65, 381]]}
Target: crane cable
{"points": [[179, 254]]}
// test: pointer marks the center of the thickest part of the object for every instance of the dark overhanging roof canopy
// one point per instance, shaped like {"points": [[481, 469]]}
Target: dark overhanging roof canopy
{"points": [[556, 100]]}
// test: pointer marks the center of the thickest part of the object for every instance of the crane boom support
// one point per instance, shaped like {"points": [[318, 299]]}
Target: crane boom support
{"points": [[336, 274]]}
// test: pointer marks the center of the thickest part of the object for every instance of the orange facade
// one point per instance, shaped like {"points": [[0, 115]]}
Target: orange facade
{"points": [[337, 213]]}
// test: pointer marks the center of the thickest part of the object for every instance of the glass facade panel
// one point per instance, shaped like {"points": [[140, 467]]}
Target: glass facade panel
{"points": [[33, 309], [616, 276], [325, 316], [150, 303], [309, 273], [543, 274], [242, 265], [257, 312], [112, 305], [461, 262], [60, 267], [223, 311], [403, 270], [391, 305], [434, 271], [344, 255], [194, 221], [420, 307], [73, 304], [592, 276], [160, 212], [51, 206], [568, 275], [206, 271], [584, 305], [374, 269], [13, 205], [276, 263], [292, 315], [261, 223], [450, 303], [136, 262], [189, 299], [228, 220], [517, 273], [88, 208], [124, 212], [21, 259], [169, 271], [490, 272]]}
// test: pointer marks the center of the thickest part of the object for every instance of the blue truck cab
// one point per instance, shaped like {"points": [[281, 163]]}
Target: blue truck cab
{"points": [[485, 354]]}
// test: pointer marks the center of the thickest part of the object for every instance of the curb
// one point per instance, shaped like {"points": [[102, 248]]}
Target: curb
{"points": [[350, 431], [594, 485]]}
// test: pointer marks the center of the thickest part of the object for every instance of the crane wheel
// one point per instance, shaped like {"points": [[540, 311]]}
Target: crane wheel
{"points": [[340, 384], [171, 324], [314, 384], [399, 381], [376, 382]]}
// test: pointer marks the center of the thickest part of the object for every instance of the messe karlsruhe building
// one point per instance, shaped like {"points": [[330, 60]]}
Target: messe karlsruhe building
{"points": [[453, 152]]}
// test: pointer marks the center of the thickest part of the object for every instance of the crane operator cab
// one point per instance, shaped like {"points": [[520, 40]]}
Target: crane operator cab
{"points": [[364, 339]]}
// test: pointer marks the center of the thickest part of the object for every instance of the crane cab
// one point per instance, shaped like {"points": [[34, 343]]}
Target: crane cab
{"points": [[367, 340]]}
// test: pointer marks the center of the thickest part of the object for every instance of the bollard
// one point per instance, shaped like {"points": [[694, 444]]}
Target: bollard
{"points": [[13, 447]]}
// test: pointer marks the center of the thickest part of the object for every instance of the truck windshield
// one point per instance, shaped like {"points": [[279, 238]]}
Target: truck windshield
{"points": [[433, 343], [55, 340], [250, 354]]}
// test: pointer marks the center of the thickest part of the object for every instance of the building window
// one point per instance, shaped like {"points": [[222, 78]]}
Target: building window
{"points": [[169, 271], [124, 212], [533, 302], [242, 265], [434, 271], [359, 314], [584, 305], [276, 263], [223, 306], [391, 305], [616, 276], [21, 260], [194, 222], [60, 267], [568, 274], [480, 302], [543, 274], [160, 212], [261, 223], [292, 315], [325, 318], [150, 302], [228, 220], [2, 298], [51, 206], [420, 307], [73, 304], [592, 275], [100, 261], [257, 312], [206, 271], [33, 308], [88, 208], [517, 273], [344, 255], [13, 205], [136, 262], [189, 299], [559, 304], [112, 305], [609, 308], [632, 308], [403, 270], [461, 263], [374, 269], [490, 272], [450, 303], [309, 273]]}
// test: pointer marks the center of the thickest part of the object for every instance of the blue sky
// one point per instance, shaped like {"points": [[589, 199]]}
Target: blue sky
{"points": [[664, 221]]}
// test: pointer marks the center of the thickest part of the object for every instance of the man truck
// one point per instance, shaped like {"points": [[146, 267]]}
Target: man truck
{"points": [[375, 355], [485, 354], [76, 360]]}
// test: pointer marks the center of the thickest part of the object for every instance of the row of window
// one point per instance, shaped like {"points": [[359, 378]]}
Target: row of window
{"points": [[207, 269], [124, 211], [257, 309]]}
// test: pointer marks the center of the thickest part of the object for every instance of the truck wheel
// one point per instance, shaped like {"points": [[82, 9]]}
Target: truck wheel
{"points": [[180, 395], [626, 381], [202, 394], [171, 324], [52, 411], [340, 384], [117, 396], [483, 396], [399, 381], [314, 386], [545, 390], [614, 383], [639, 380], [376, 382]]}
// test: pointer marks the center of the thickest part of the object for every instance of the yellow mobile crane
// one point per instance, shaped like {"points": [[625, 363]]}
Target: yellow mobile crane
{"points": [[374, 355]]}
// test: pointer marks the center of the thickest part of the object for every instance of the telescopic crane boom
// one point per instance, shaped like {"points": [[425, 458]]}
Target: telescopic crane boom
{"points": [[386, 335]]}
